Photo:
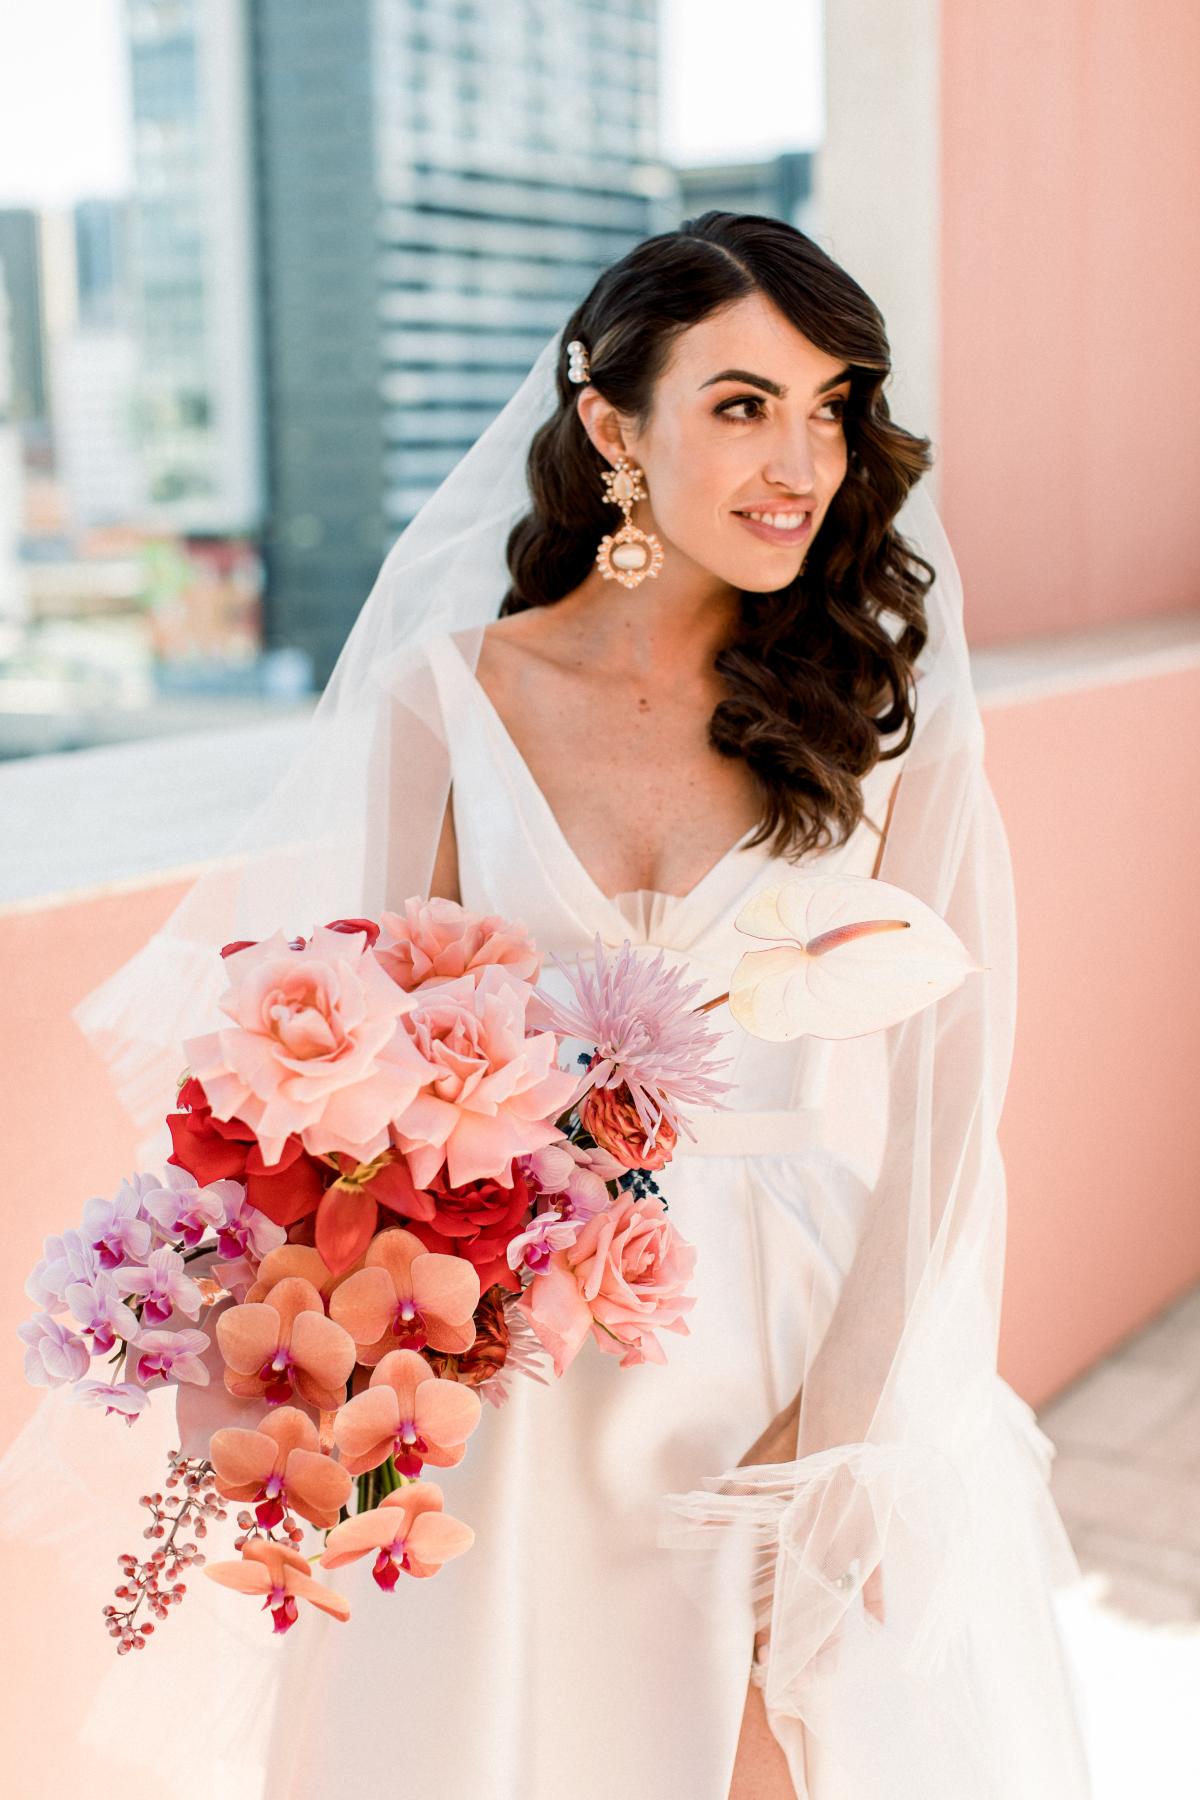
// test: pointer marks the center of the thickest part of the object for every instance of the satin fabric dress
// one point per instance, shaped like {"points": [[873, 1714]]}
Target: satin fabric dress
{"points": [[562, 1657]]}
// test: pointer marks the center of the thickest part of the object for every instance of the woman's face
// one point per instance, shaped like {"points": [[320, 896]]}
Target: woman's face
{"points": [[747, 419]]}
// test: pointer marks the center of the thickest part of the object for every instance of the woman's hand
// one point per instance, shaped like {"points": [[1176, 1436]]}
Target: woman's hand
{"points": [[778, 1443]]}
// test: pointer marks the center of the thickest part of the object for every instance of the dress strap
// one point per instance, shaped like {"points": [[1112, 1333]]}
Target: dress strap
{"points": [[887, 822]]}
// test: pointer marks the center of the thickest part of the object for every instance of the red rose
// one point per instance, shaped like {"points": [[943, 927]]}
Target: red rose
{"points": [[478, 1221], [225, 1150]]}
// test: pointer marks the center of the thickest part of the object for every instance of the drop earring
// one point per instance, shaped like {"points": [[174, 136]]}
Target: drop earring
{"points": [[627, 555]]}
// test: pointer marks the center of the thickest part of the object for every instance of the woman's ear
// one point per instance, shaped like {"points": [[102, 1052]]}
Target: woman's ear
{"points": [[602, 422]]}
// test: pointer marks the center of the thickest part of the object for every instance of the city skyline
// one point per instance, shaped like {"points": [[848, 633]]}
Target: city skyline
{"points": [[65, 107]]}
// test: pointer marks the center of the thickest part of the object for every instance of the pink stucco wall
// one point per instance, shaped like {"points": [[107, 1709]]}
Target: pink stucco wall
{"points": [[60, 1115], [1100, 791], [1070, 358]]}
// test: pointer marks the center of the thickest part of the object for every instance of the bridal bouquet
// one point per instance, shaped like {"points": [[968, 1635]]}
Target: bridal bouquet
{"points": [[386, 1197]]}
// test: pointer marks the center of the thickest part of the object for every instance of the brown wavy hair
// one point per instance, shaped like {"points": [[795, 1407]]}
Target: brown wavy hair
{"points": [[814, 678]]}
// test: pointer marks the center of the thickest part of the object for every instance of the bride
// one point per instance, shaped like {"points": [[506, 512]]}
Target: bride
{"points": [[682, 626]]}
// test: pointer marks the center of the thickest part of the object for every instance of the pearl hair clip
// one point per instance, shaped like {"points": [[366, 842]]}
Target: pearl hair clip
{"points": [[577, 367]]}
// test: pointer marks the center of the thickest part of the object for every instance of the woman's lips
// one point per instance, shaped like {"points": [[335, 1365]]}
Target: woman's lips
{"points": [[771, 534]]}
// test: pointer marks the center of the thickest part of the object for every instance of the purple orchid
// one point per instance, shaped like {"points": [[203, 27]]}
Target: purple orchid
{"points": [[102, 1314], [124, 1398], [164, 1286], [548, 1232], [245, 1229], [116, 1229], [181, 1209], [173, 1355], [54, 1354], [576, 1175], [65, 1258]]}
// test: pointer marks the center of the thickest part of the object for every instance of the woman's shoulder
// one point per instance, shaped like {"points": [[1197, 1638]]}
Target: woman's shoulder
{"points": [[526, 659]]}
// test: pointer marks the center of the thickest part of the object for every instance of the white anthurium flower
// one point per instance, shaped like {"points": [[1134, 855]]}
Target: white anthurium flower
{"points": [[853, 955]]}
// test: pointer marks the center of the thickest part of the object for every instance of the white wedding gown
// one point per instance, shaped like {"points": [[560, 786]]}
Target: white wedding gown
{"points": [[562, 1658]]}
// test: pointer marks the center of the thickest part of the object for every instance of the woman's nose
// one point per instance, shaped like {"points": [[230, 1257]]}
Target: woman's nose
{"points": [[793, 467]]}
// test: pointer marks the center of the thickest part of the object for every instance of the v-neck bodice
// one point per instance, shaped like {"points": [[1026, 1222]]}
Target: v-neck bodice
{"points": [[640, 914], [515, 859]]}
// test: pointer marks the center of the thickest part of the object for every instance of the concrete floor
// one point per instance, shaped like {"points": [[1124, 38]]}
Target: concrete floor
{"points": [[1126, 1479]]}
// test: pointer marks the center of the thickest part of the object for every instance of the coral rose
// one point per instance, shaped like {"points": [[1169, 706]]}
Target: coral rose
{"points": [[610, 1115], [623, 1279], [495, 1091], [313, 1047], [438, 940]]}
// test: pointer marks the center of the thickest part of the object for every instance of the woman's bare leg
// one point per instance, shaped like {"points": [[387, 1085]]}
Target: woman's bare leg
{"points": [[760, 1770]]}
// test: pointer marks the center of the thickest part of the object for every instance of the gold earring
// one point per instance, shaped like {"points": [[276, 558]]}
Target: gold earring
{"points": [[627, 555]]}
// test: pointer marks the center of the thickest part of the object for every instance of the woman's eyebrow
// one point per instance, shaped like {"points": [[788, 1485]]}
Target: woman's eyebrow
{"points": [[772, 387]]}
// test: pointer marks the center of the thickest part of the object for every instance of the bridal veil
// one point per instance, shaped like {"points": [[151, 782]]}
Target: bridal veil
{"points": [[912, 1458]]}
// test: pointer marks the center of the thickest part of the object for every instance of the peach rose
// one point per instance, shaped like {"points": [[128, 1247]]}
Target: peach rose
{"points": [[495, 1091], [438, 940], [623, 1279], [313, 1047]]}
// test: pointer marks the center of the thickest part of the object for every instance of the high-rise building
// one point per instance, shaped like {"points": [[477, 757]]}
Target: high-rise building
{"points": [[191, 252], [12, 584], [780, 187], [102, 262], [25, 370], [437, 184], [354, 226], [95, 380]]}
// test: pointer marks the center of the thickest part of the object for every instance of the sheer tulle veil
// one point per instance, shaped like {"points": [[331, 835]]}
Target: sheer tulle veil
{"points": [[912, 1455]]}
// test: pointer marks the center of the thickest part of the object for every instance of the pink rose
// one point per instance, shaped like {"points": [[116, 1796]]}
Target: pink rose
{"points": [[313, 1047], [438, 940], [494, 1093], [623, 1279]]}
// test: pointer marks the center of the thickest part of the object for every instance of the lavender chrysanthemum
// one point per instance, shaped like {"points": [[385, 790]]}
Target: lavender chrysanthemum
{"points": [[641, 1016]]}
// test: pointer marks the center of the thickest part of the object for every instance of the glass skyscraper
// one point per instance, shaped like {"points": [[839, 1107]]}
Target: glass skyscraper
{"points": [[192, 265], [437, 184], [355, 224]]}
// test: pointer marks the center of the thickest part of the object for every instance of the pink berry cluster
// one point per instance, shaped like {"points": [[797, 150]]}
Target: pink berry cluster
{"points": [[250, 1527], [155, 1582]]}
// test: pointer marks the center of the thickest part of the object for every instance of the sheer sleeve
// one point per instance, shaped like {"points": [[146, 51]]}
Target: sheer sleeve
{"points": [[917, 1469]]}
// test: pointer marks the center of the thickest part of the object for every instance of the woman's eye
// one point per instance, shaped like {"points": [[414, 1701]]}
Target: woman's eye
{"points": [[838, 401], [742, 400]]}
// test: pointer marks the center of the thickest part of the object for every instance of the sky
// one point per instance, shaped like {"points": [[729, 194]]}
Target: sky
{"points": [[64, 93]]}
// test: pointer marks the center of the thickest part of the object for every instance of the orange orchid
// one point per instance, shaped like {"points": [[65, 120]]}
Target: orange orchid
{"points": [[283, 1575], [407, 1412], [408, 1530], [405, 1297], [280, 1466], [296, 1259], [286, 1345]]}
